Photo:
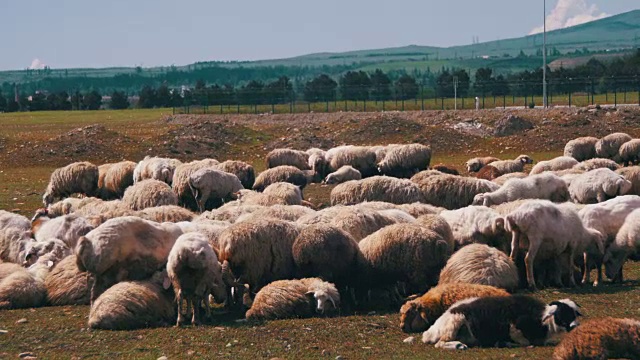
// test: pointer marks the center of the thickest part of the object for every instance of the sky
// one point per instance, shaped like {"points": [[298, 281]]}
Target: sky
{"points": [[88, 33]]}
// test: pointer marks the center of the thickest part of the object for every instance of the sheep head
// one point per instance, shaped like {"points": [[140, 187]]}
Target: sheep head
{"points": [[56, 249], [473, 165], [525, 159], [481, 199], [323, 301], [414, 317]]}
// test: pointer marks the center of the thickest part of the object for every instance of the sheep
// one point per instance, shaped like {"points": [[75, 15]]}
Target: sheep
{"points": [[156, 168], [285, 173], [64, 207], [290, 193], [166, 213], [211, 230], [608, 146], [11, 220], [124, 248], [280, 157], [362, 158], [78, 177], [282, 212], [34, 250], [632, 174], [102, 172], [134, 304], [542, 186], [149, 193], [626, 243], [423, 175], [241, 169], [358, 221], [229, 212], [418, 209], [476, 224], [629, 153], [439, 225], [453, 192], [180, 181], [601, 338], [582, 148], [489, 172], [101, 211], [500, 180], [67, 285], [302, 298], [377, 188], [117, 178], [505, 208], [68, 228], [418, 314], [475, 164], [213, 184], [500, 320], [597, 186], [509, 166], [14, 243], [404, 252], [480, 264], [398, 216], [555, 164], [259, 251], [553, 232], [445, 169], [195, 272], [596, 163], [344, 174], [404, 161]]}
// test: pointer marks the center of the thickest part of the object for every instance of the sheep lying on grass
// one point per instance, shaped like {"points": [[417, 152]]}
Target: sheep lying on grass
{"points": [[601, 338], [543, 186], [344, 174], [475, 164], [67, 285], [511, 166], [556, 164], [598, 186]]}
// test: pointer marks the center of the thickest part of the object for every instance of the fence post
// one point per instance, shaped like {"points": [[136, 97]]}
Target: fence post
{"points": [[615, 97], [442, 103], [592, 92], [382, 104], [327, 106]]}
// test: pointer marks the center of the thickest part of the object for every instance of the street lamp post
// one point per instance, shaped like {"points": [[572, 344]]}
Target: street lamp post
{"points": [[544, 55]]}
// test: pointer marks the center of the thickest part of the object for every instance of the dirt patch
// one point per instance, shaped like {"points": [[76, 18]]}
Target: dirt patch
{"points": [[512, 125]]}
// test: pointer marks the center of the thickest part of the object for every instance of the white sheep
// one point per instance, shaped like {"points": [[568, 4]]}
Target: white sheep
{"points": [[213, 184], [280, 157], [476, 225], [629, 152], [597, 186], [14, 243], [608, 146], [68, 228], [404, 161], [626, 243], [510, 166], [78, 177], [116, 179], [453, 192], [377, 188], [149, 193], [362, 158], [475, 164], [155, 168], [344, 174], [596, 163], [542, 186], [291, 194], [582, 148], [632, 174], [555, 164], [11, 220]]}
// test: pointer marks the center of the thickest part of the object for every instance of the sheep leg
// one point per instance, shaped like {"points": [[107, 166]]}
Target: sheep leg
{"points": [[189, 309], [599, 272], [195, 319], [586, 270], [569, 265], [179, 300], [534, 245], [515, 243]]}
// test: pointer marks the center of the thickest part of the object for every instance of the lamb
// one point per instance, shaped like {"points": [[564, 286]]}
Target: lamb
{"points": [[476, 225], [597, 186], [14, 243], [361, 158], [453, 192], [78, 177], [166, 213], [195, 273], [480, 264], [67, 285], [290, 193], [213, 184], [149, 193], [11, 220], [631, 174], [294, 299], [475, 164], [180, 181], [500, 180], [596, 163], [509, 166], [608, 146], [553, 231], [280, 157], [626, 243], [155, 168], [344, 174], [404, 161], [68, 228], [555, 164], [377, 188], [629, 153], [542, 186], [418, 314], [116, 179], [285, 173], [601, 338], [582, 148], [241, 169], [404, 252], [500, 320], [134, 305], [124, 248]]}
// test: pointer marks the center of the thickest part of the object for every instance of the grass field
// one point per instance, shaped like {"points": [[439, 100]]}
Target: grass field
{"points": [[61, 332]]}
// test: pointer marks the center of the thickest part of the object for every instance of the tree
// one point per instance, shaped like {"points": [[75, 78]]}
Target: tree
{"points": [[162, 97], [12, 105], [380, 86], [76, 101], [355, 85], [251, 93], [500, 86], [92, 100], [321, 88], [3, 103], [484, 78], [119, 100], [463, 82], [59, 101], [38, 102], [278, 91], [148, 97], [406, 87], [444, 84]]}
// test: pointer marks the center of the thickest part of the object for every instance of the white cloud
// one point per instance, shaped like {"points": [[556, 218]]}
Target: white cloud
{"points": [[36, 64], [570, 13]]}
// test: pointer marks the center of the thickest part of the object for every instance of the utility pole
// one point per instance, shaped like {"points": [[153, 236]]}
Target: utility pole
{"points": [[455, 92], [544, 55]]}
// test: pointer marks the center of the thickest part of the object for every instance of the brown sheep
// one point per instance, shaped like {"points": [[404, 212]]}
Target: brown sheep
{"points": [[601, 338]]}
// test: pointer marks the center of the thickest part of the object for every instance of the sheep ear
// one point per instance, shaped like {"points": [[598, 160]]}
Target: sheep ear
{"points": [[166, 283]]}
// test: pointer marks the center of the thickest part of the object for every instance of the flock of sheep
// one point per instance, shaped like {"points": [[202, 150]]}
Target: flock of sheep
{"points": [[148, 238]]}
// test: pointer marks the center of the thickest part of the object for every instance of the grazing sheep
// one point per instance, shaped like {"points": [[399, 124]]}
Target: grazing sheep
{"points": [[439, 225], [454, 192], [124, 248], [418, 209], [259, 251], [149, 193], [498, 321], [68, 228], [166, 213], [404, 161], [362, 158], [67, 285], [555, 164], [134, 305], [601, 339], [629, 153], [422, 175], [11, 220], [542, 186], [632, 174], [597, 186], [285, 173], [101, 211], [553, 232], [404, 252], [195, 272], [359, 222], [377, 188], [500, 180], [344, 174], [14, 243], [241, 169], [505, 208], [290, 193], [582, 148], [180, 182], [282, 212], [596, 163], [213, 184], [302, 298], [229, 212], [211, 229], [510, 166], [397, 215], [489, 172], [476, 225], [117, 178], [156, 168], [475, 164], [102, 172], [626, 243], [480, 264], [445, 169], [78, 177], [64, 207], [608, 146], [418, 314], [280, 157]]}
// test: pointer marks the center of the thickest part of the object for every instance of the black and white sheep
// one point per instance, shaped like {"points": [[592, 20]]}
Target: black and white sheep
{"points": [[608, 146], [542, 186], [344, 174], [404, 161], [78, 177], [582, 148], [149, 193], [377, 188], [213, 184], [597, 186]]}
